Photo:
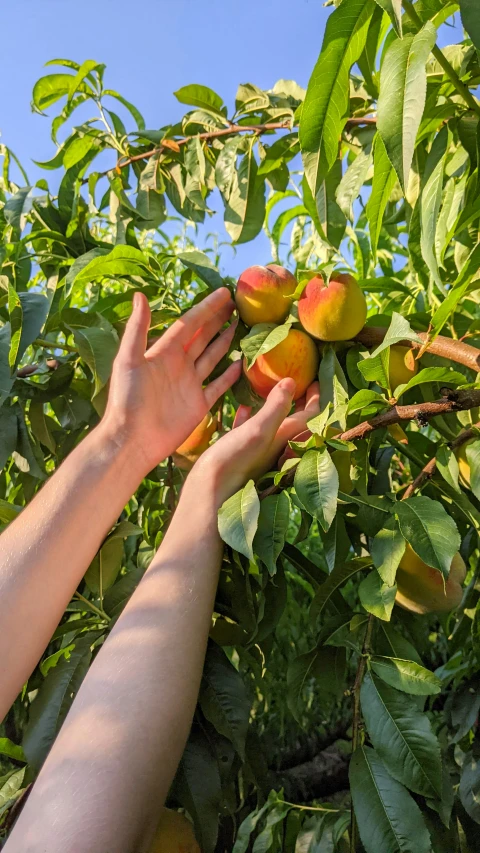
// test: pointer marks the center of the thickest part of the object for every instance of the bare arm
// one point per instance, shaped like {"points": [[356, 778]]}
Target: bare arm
{"points": [[156, 400], [118, 750]]}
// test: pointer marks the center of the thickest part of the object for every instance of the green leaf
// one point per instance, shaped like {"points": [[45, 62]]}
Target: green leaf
{"points": [[325, 108], [333, 386], [10, 786], [430, 531], [98, 348], [198, 788], [365, 399], [398, 330], [406, 675], [402, 737], [122, 260], [224, 700], [456, 293], [238, 519], [105, 566], [272, 529], [403, 85], [388, 548], [340, 574], [203, 267], [447, 466], [388, 817], [53, 701], [52, 87], [384, 179], [393, 8], [325, 664], [200, 96], [430, 201], [473, 459], [28, 312], [470, 20], [128, 106], [316, 485], [469, 789], [352, 182], [78, 149], [245, 204], [17, 207], [261, 339], [377, 597], [8, 434], [431, 374], [11, 749]]}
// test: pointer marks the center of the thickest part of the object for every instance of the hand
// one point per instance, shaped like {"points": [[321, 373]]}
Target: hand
{"points": [[157, 396], [254, 444]]}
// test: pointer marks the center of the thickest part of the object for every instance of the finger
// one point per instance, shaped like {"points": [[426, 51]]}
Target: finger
{"points": [[204, 335], [242, 415], [184, 329], [300, 404], [215, 389], [134, 341], [212, 355], [312, 402], [277, 406]]}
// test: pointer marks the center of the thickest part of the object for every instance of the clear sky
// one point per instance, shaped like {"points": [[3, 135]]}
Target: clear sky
{"points": [[151, 48]]}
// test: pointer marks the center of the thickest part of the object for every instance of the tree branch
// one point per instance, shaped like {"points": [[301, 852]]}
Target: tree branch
{"points": [[323, 776], [372, 336], [231, 130], [429, 469]]}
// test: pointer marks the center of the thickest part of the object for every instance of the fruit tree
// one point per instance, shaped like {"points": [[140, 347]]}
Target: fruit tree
{"points": [[340, 699]]}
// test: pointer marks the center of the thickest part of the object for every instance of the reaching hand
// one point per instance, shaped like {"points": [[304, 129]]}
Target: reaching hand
{"points": [[255, 443], [157, 396]]}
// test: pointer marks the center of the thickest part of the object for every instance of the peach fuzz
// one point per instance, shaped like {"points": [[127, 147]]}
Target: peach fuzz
{"points": [[420, 588], [264, 294], [333, 312], [296, 356], [401, 366], [197, 442]]}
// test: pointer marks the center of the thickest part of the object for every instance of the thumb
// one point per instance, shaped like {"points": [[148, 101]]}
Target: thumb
{"points": [[278, 405], [134, 341]]}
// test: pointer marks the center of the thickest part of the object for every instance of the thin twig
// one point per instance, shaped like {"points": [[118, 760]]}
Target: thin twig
{"points": [[231, 130], [91, 606], [429, 469]]}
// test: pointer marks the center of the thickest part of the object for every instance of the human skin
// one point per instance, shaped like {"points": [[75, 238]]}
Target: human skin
{"points": [[156, 399], [262, 294], [333, 312], [402, 365], [421, 588], [340, 458], [116, 754], [296, 356]]}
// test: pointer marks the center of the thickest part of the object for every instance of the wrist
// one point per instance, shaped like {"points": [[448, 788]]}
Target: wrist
{"points": [[117, 448]]}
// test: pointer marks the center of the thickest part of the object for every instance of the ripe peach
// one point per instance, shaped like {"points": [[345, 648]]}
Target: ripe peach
{"points": [[187, 454], [174, 834], [333, 312], [296, 356], [463, 465], [264, 294], [402, 365], [340, 458], [420, 588]]}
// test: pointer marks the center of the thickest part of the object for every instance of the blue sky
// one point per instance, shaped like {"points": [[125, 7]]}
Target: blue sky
{"points": [[150, 49]]}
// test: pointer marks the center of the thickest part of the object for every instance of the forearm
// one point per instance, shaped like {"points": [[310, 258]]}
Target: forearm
{"points": [[118, 750], [46, 551]]}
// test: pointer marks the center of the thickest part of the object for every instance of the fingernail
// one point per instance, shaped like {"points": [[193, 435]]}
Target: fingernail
{"points": [[136, 300]]}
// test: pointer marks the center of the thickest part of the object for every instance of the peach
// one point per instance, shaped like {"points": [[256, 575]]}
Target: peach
{"points": [[335, 311], [197, 442], [296, 356], [340, 458], [463, 464], [174, 834], [420, 588], [264, 294], [402, 365]]}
